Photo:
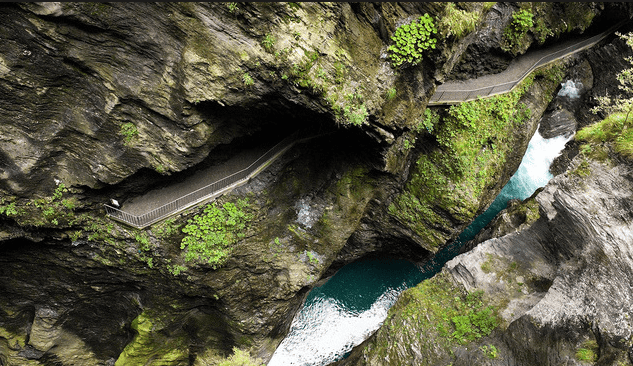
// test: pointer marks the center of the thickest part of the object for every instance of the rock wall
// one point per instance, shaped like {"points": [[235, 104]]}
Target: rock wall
{"points": [[113, 99]]}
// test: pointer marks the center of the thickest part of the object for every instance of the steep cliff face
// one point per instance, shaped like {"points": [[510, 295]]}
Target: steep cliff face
{"points": [[108, 100], [560, 286], [548, 280]]}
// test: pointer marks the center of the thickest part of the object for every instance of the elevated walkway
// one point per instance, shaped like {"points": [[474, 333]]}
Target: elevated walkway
{"points": [[160, 204], [453, 92]]}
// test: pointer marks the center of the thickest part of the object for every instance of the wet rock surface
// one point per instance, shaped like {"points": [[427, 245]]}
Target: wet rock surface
{"points": [[115, 98]]}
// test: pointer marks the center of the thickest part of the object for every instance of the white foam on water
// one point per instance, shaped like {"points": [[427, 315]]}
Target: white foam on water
{"points": [[324, 331], [533, 172], [570, 89]]}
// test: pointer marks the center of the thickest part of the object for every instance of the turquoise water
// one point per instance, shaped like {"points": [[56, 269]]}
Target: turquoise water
{"points": [[345, 310], [350, 306]]}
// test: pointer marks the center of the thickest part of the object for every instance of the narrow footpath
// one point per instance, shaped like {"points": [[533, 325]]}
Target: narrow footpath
{"points": [[453, 92]]}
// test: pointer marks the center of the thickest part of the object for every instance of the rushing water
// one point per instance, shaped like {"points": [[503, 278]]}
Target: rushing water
{"points": [[351, 305], [346, 310]]}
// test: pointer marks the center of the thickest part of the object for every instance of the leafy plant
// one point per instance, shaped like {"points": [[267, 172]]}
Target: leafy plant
{"points": [[522, 21], [247, 79], [489, 351], [391, 93], [625, 77], [129, 132], [411, 40], [209, 235], [313, 259], [269, 42], [9, 210], [430, 119], [355, 115], [232, 7], [588, 351]]}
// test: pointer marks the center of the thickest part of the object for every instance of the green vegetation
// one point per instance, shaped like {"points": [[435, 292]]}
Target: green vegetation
{"points": [[456, 22], [100, 230], [489, 351], [473, 141], [176, 269], [391, 93], [588, 351], [269, 42], [129, 132], [9, 209], [247, 79], [621, 103], [210, 235], [153, 344], [447, 316], [613, 132], [430, 119], [166, 228], [232, 7], [313, 259], [515, 32], [411, 40], [355, 115]]}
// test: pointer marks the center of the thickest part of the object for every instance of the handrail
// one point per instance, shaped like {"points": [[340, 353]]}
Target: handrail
{"points": [[472, 94], [213, 189]]}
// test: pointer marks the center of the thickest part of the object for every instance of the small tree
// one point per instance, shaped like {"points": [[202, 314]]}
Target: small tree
{"points": [[625, 77]]}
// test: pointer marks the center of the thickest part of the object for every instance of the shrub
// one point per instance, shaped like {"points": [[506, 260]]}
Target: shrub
{"points": [[355, 115], [209, 236], [411, 40]]}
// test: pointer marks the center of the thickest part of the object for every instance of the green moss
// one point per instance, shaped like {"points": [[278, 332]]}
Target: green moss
{"points": [[152, 344], [613, 132], [588, 351], [446, 315], [474, 139], [455, 22]]}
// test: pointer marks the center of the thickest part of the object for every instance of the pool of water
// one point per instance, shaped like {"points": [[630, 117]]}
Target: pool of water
{"points": [[351, 305]]}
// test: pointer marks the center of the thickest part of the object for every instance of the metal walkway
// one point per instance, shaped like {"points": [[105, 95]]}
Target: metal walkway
{"points": [[207, 192], [454, 92]]}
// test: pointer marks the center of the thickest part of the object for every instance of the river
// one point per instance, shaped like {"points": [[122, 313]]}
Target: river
{"points": [[351, 305]]}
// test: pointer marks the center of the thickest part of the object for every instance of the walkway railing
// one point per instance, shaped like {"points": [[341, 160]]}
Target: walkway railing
{"points": [[443, 94], [209, 191]]}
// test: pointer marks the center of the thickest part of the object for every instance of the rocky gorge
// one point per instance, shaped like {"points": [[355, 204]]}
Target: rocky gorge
{"points": [[106, 101]]}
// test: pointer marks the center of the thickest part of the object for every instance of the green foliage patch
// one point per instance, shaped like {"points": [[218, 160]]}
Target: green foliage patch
{"points": [[411, 40], [456, 22], [210, 235], [474, 139], [613, 132], [129, 132], [447, 316], [588, 351], [513, 35]]}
